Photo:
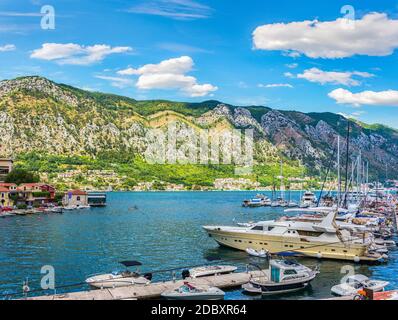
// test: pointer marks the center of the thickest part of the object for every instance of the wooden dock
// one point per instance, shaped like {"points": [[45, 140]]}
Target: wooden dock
{"points": [[153, 290]]}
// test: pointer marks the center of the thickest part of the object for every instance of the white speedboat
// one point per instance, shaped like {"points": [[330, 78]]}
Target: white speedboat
{"points": [[119, 278], [191, 292], [259, 201], [70, 208], [357, 282], [83, 207], [207, 271], [283, 276], [258, 253]]}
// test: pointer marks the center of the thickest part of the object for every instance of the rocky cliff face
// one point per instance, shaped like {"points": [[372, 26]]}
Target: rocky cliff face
{"points": [[37, 114]]}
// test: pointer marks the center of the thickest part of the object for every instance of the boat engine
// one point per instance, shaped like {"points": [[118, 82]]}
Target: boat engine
{"points": [[148, 276], [185, 274]]}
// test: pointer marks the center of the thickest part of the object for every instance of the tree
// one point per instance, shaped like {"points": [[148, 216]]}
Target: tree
{"points": [[19, 176]]}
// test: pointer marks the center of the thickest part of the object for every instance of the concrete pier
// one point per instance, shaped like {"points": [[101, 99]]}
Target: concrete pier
{"points": [[153, 290]]}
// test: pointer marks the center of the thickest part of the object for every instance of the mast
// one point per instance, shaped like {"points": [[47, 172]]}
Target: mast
{"points": [[347, 162], [338, 173], [282, 184]]}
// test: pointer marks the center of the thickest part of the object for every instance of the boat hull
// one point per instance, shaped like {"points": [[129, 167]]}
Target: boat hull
{"points": [[276, 289]]}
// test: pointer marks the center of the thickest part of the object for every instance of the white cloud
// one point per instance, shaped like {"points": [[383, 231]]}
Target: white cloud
{"points": [[372, 98], [292, 65], [276, 85], [117, 82], [174, 9], [353, 115], [7, 47], [75, 54], [289, 75], [175, 66], [373, 35], [324, 77], [170, 74]]}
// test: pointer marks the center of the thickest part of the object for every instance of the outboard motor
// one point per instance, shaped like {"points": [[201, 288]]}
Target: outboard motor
{"points": [[185, 274], [148, 276]]}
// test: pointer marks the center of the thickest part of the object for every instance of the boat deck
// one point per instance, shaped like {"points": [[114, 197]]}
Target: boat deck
{"points": [[153, 290]]}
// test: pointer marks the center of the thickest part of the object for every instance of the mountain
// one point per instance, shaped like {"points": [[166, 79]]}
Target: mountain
{"points": [[39, 115]]}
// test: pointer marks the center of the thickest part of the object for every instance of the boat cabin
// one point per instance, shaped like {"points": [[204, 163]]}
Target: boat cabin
{"points": [[282, 270]]}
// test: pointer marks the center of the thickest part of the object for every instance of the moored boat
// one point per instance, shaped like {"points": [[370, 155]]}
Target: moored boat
{"points": [[283, 276], [354, 283], [120, 278], [258, 253], [191, 292], [211, 271], [318, 239]]}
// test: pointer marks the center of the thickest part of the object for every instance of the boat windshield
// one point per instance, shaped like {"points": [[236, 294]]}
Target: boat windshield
{"points": [[187, 289]]}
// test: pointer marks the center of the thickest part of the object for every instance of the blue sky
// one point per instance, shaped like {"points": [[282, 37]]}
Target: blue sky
{"points": [[241, 52]]}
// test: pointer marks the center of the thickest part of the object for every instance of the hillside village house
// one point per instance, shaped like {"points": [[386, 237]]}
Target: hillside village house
{"points": [[5, 167], [5, 200], [6, 190], [35, 193], [75, 198]]}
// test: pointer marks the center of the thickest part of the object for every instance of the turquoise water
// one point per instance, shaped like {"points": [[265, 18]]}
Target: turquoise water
{"points": [[162, 230]]}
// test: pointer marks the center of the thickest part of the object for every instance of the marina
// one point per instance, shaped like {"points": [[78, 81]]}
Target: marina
{"points": [[116, 233]]}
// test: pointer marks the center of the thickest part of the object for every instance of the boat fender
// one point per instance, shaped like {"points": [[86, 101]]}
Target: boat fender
{"points": [[357, 259], [185, 274], [148, 276], [319, 255]]}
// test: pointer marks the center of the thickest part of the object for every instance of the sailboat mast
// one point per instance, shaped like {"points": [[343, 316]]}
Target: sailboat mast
{"points": [[347, 162], [338, 172], [282, 186]]}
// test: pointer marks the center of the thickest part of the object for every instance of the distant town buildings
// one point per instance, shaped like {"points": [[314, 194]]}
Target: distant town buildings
{"points": [[235, 184], [75, 198], [5, 168]]}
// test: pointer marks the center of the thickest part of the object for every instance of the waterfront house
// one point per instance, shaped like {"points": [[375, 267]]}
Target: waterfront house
{"points": [[5, 168], [7, 190], [96, 199], [35, 193], [5, 200], [75, 198]]}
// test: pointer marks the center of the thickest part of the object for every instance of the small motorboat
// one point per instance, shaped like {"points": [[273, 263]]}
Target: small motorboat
{"points": [[292, 204], [56, 210], [70, 208], [6, 214], [258, 253], [120, 278], [357, 282], [283, 276], [83, 207], [257, 202], [190, 292], [211, 271]]}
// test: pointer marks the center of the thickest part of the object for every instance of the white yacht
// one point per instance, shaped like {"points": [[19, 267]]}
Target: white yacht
{"points": [[319, 239], [308, 200]]}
